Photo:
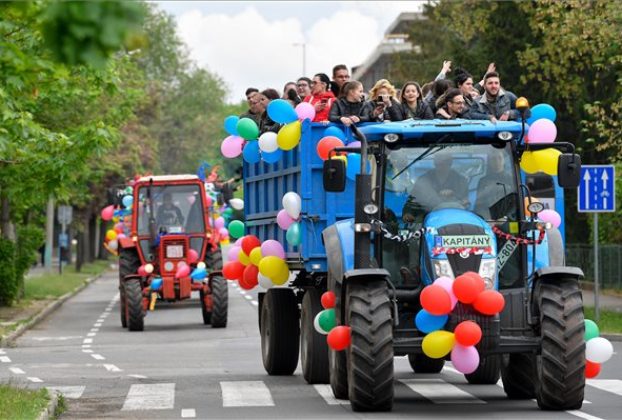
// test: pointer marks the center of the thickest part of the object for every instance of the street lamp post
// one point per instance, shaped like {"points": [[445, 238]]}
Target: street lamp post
{"points": [[304, 56]]}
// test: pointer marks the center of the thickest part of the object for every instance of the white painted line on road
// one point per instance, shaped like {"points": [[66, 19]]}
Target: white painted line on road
{"points": [[609, 385], [440, 392], [248, 297], [70, 337], [138, 376], [95, 330], [70, 392], [33, 379], [91, 334], [112, 368], [150, 397], [188, 413], [453, 370], [327, 393], [242, 292], [104, 315], [98, 357], [87, 351], [583, 415], [2, 351], [100, 320], [254, 303], [86, 346], [87, 340], [98, 324], [5, 359], [246, 394], [17, 371]]}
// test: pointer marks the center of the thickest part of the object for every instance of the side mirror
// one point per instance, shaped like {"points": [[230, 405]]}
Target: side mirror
{"points": [[569, 170], [334, 175]]}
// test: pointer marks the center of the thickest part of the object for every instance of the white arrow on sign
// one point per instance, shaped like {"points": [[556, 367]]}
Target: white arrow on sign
{"points": [[586, 179], [604, 178]]}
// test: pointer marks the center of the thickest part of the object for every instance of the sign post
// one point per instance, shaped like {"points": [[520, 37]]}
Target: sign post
{"points": [[596, 194], [65, 215]]}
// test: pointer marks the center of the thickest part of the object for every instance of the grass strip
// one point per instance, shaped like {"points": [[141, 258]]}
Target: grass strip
{"points": [[22, 403], [610, 322], [54, 285]]}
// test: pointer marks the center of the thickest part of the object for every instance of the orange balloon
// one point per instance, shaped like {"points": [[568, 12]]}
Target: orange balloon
{"points": [[327, 144], [591, 369], [468, 333], [468, 286], [339, 338], [489, 302], [435, 300]]}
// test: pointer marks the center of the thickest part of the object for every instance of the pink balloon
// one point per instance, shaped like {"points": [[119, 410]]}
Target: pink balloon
{"points": [[121, 236], [231, 147], [107, 213], [238, 242], [283, 219], [465, 359], [219, 223], [193, 256], [233, 252], [272, 247], [305, 110], [550, 216], [542, 131], [354, 144], [223, 232], [208, 200], [447, 284], [141, 271], [182, 270]]}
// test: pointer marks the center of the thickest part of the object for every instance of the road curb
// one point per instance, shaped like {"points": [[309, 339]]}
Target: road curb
{"points": [[49, 411], [612, 337]]}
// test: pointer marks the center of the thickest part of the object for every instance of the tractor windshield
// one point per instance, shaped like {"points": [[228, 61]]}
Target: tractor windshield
{"points": [[176, 209]]}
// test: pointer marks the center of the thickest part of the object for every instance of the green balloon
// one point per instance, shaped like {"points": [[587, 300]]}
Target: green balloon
{"points": [[293, 234], [327, 319], [591, 329], [227, 212], [247, 129], [236, 229]]}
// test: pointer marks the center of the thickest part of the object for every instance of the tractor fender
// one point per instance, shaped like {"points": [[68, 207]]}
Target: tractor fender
{"points": [[555, 247], [127, 243], [330, 237]]}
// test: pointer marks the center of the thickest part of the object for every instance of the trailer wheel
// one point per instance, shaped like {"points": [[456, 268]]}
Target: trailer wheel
{"points": [[370, 356], [128, 264], [313, 347], [280, 332], [561, 365], [207, 315], [134, 312], [487, 372], [518, 376], [220, 297], [420, 363]]}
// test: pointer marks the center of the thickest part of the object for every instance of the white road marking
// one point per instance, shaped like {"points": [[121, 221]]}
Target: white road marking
{"points": [[5, 359], [583, 415], [188, 413], [245, 394], [62, 338], [100, 320], [33, 379], [98, 357], [87, 351], [87, 340], [112, 368], [104, 315], [97, 324], [150, 397], [2, 351], [440, 392], [71, 392], [254, 303], [91, 334], [610, 385], [86, 346], [17, 371], [107, 310], [327, 393], [453, 370], [94, 330], [248, 297], [138, 376], [242, 292]]}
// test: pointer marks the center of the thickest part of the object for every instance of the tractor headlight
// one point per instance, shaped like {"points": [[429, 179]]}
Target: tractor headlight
{"points": [[505, 135], [391, 137], [442, 268], [487, 270], [370, 209]]}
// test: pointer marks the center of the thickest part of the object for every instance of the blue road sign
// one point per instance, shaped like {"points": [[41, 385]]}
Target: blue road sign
{"points": [[597, 192]]}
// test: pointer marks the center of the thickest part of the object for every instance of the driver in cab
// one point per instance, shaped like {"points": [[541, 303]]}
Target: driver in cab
{"points": [[168, 213]]}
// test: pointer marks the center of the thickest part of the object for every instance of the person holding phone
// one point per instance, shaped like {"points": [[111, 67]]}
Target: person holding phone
{"points": [[350, 108], [382, 105], [321, 97]]}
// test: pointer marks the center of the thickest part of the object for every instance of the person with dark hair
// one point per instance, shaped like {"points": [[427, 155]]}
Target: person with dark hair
{"points": [[349, 108], [496, 104], [266, 124], [440, 87], [303, 87], [454, 106], [252, 99], [249, 91], [412, 105], [340, 77], [290, 94], [464, 81], [168, 213], [321, 97]]}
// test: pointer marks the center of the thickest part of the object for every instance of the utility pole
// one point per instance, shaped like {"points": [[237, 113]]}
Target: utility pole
{"points": [[49, 234]]}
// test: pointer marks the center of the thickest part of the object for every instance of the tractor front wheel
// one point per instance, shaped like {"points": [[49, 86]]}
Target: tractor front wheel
{"points": [[420, 363], [220, 297], [134, 305], [313, 347], [207, 315], [518, 376]]}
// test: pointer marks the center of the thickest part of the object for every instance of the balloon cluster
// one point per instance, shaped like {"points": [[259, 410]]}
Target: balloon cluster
{"points": [[121, 217], [338, 337], [597, 349], [220, 216], [438, 300], [287, 218], [542, 129], [334, 138]]}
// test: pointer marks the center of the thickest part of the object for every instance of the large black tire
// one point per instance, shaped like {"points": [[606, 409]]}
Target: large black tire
{"points": [[313, 347], [420, 363], [134, 298], [207, 315], [561, 363], [518, 376], [280, 331], [129, 262], [220, 297], [488, 371], [338, 373], [213, 259], [370, 356]]}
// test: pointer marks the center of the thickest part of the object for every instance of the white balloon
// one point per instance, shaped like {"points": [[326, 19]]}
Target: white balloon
{"points": [[316, 324], [267, 142], [114, 245], [292, 204], [201, 264], [264, 281], [598, 350], [237, 203]]}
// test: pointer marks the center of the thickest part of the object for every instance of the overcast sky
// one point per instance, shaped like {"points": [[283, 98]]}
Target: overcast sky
{"points": [[251, 43]]}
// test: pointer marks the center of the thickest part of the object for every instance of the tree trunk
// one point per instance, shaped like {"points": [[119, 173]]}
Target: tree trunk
{"points": [[8, 229], [92, 235]]}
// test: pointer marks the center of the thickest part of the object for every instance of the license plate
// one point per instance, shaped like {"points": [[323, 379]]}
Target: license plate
{"points": [[463, 241], [174, 251]]}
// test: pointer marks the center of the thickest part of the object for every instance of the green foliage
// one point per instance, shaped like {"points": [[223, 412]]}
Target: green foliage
{"points": [[8, 279], [610, 322], [22, 403], [29, 240]]}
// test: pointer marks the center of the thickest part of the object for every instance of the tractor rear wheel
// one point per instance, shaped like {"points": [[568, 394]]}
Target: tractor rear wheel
{"points": [[220, 297], [370, 356], [135, 313], [129, 262], [518, 376], [207, 315], [487, 372], [280, 331], [561, 364], [313, 347], [420, 363]]}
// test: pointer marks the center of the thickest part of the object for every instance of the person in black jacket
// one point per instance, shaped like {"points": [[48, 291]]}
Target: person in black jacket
{"points": [[412, 105], [349, 108], [265, 122], [382, 104]]}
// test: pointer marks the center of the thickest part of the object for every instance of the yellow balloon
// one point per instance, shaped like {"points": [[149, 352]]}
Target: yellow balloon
{"points": [[547, 160], [255, 255], [243, 258], [288, 136], [528, 163], [111, 235], [438, 344], [115, 219], [271, 266], [282, 277]]}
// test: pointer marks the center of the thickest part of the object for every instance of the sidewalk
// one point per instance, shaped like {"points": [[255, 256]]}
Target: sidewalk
{"points": [[609, 302]]}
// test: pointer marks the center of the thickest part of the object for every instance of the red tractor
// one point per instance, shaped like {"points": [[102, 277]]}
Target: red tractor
{"points": [[169, 230]]}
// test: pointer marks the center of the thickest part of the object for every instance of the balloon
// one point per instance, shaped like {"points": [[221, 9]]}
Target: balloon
{"points": [[528, 163], [550, 216], [149, 268], [121, 236], [354, 144], [156, 284], [198, 274], [281, 111], [271, 266], [250, 276], [353, 167], [233, 270], [316, 324], [327, 319], [542, 131], [288, 136], [107, 213], [113, 244], [292, 204], [334, 131], [231, 147], [293, 234], [128, 200], [447, 284], [327, 144], [591, 330], [111, 235], [231, 123], [272, 157], [468, 333], [193, 256], [267, 142], [264, 281], [435, 300], [305, 110], [251, 152], [426, 322], [208, 201], [282, 276], [237, 203], [119, 228], [233, 252], [272, 247], [219, 223], [465, 359], [438, 344], [489, 302], [591, 369], [255, 256], [201, 264], [247, 129], [468, 286], [224, 233], [339, 338], [244, 258], [283, 219], [540, 111], [598, 350], [236, 229], [541, 160], [141, 271], [250, 242], [182, 270], [328, 300]]}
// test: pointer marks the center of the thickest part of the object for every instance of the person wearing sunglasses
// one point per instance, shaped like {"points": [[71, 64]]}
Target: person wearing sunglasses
{"points": [[454, 106], [321, 97]]}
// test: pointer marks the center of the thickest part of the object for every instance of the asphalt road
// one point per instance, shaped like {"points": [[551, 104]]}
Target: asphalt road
{"points": [[179, 368]]}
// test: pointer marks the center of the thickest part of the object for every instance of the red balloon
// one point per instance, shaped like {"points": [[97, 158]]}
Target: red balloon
{"points": [[435, 300], [339, 338], [468, 286], [328, 300], [325, 145], [489, 302], [591, 369], [468, 333], [249, 277], [142, 272], [233, 270], [250, 242], [193, 256]]}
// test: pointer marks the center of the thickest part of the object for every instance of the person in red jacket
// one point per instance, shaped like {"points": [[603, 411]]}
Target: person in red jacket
{"points": [[321, 97]]}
